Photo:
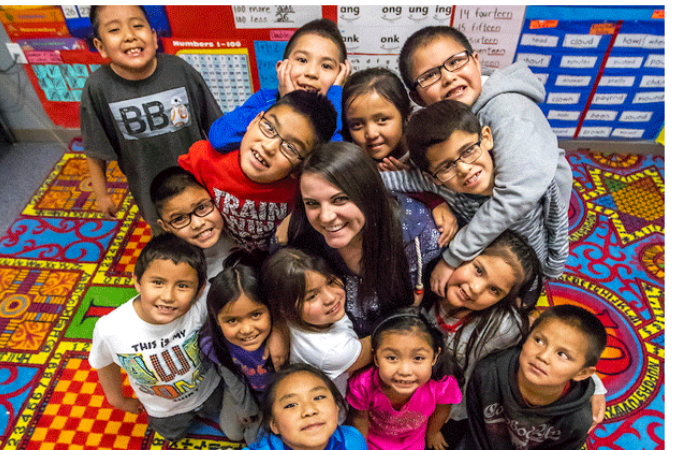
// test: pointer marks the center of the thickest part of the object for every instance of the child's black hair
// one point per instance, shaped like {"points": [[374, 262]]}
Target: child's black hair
{"points": [[94, 18], [168, 246], [317, 108], [386, 84], [270, 394], [435, 124], [424, 37], [323, 27], [239, 276], [383, 260], [168, 183], [284, 282], [585, 322], [514, 251], [411, 321]]}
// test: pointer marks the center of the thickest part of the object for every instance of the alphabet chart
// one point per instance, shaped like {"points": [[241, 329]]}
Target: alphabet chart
{"points": [[225, 67]]}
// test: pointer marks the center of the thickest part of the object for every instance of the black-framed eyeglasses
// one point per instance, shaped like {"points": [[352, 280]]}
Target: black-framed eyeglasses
{"points": [[202, 210], [469, 155], [452, 64], [287, 149]]}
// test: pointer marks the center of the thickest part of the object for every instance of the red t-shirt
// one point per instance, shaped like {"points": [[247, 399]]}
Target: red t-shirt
{"points": [[252, 211]]}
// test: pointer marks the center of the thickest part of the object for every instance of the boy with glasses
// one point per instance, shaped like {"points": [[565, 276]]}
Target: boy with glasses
{"points": [[454, 153], [456, 159], [186, 209], [438, 63], [252, 187]]}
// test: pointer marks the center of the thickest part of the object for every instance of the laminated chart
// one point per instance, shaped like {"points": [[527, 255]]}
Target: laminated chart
{"points": [[375, 34], [604, 79], [224, 65]]}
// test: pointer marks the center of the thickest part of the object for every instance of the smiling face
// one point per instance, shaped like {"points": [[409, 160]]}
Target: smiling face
{"points": [[375, 124], [128, 40], [553, 354], [304, 413], [167, 291], [478, 284], [314, 63], [261, 158], [471, 178], [245, 323], [323, 302], [464, 85], [330, 212], [202, 232], [405, 362]]}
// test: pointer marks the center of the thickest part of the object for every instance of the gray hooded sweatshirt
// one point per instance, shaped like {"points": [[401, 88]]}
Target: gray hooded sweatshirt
{"points": [[532, 176]]}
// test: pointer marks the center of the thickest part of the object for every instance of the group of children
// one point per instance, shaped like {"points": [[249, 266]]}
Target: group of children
{"points": [[242, 317]]}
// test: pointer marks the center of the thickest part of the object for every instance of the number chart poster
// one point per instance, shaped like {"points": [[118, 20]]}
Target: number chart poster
{"points": [[224, 65]]}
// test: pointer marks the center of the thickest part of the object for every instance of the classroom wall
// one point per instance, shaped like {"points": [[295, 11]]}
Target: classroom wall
{"points": [[601, 65]]}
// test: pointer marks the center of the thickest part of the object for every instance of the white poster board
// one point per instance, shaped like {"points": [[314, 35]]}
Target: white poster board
{"points": [[374, 35]]}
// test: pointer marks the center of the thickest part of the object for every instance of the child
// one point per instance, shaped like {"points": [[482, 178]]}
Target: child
{"points": [[346, 215], [305, 292], [125, 107], [186, 209], [154, 338], [252, 187], [437, 63], [481, 312], [376, 108], [234, 339], [314, 60], [404, 400], [302, 409], [452, 150], [538, 395]]}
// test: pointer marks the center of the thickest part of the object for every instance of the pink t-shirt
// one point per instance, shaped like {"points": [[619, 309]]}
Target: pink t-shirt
{"points": [[404, 429]]}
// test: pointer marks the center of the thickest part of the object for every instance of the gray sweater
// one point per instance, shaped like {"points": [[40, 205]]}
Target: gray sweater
{"points": [[532, 177]]}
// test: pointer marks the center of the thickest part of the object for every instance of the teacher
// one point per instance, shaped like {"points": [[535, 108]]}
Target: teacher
{"points": [[381, 244]]}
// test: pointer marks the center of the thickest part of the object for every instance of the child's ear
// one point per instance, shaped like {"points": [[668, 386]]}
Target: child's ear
{"points": [[164, 226], [487, 139], [585, 372], [100, 47], [136, 282], [201, 291], [272, 426], [374, 358], [437, 355]]}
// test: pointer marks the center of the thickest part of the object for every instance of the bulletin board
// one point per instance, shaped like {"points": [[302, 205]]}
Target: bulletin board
{"points": [[604, 79], [604, 74]]}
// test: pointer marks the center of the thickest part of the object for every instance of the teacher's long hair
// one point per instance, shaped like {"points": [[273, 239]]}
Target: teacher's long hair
{"points": [[384, 267]]}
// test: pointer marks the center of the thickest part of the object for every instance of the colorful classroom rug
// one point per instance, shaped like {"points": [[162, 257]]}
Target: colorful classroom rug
{"points": [[62, 267]]}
